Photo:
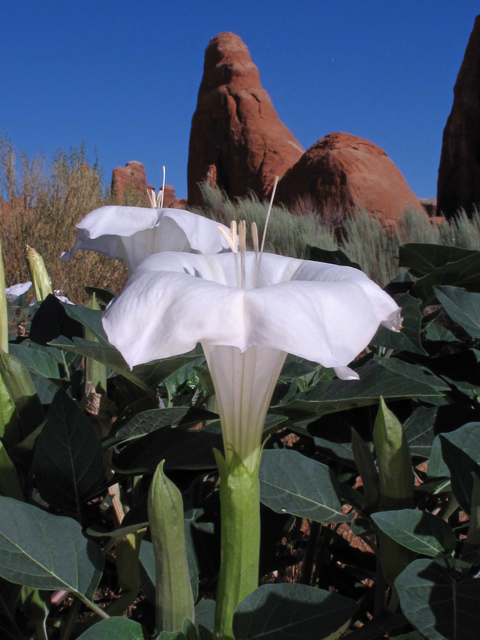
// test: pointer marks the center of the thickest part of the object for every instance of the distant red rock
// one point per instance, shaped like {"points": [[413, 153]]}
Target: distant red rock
{"points": [[132, 175], [342, 172], [459, 171], [430, 206], [237, 141]]}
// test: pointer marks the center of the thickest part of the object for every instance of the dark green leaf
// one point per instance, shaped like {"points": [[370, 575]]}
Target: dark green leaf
{"points": [[180, 449], [438, 333], [408, 339], [68, 461], [461, 467], [44, 551], [331, 257], [149, 421], [462, 306], [388, 377], [422, 259], [293, 483], [419, 429], [144, 375], [91, 319], [464, 273], [205, 614], [419, 531], [104, 296], [437, 603], [287, 611], [115, 628], [467, 438], [37, 360]]}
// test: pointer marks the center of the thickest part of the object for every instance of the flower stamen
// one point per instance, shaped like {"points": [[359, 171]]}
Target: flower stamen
{"points": [[242, 237], [163, 187], [257, 268]]}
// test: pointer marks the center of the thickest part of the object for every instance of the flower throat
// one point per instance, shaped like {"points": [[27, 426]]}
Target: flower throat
{"points": [[240, 246]]}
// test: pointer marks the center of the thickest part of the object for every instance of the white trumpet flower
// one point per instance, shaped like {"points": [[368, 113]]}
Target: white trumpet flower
{"points": [[321, 312], [133, 233]]}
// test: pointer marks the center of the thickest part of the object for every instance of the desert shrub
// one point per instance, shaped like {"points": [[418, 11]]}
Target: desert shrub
{"points": [[44, 204], [366, 242], [289, 233]]}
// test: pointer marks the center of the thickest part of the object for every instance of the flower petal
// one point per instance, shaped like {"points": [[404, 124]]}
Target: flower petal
{"points": [[133, 233], [175, 300]]}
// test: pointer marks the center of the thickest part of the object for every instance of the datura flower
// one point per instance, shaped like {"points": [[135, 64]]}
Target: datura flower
{"points": [[248, 311], [133, 233], [322, 312]]}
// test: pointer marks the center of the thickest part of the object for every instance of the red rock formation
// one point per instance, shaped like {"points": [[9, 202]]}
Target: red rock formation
{"points": [[132, 175], [237, 140], [341, 172], [459, 171]]}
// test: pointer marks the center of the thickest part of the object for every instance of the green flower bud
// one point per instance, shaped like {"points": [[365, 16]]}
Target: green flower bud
{"points": [[38, 274], [174, 597], [396, 486]]}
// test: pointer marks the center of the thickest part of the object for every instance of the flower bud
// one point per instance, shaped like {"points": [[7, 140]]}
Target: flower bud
{"points": [[174, 597], [38, 274]]}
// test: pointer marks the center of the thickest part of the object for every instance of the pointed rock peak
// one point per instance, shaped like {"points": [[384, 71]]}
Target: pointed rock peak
{"points": [[237, 140]]}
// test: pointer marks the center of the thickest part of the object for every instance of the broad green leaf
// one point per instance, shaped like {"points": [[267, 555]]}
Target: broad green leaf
{"points": [[293, 483], [105, 296], [462, 306], [467, 438], [9, 481], [464, 273], [408, 339], [461, 467], [390, 378], [437, 603], [287, 611], [419, 430], [419, 531], [9, 424], [48, 387], [331, 257], [144, 375], [115, 628], [180, 449], [91, 319], [422, 259], [37, 361], [438, 333], [49, 552], [205, 613], [68, 461], [149, 421], [22, 391], [295, 367]]}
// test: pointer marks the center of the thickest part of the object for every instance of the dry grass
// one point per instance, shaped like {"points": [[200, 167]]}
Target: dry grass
{"points": [[44, 205]]}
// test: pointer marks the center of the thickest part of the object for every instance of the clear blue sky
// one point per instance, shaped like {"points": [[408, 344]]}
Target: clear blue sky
{"points": [[123, 75]]}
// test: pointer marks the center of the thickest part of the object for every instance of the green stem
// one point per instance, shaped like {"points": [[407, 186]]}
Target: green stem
{"points": [[240, 540]]}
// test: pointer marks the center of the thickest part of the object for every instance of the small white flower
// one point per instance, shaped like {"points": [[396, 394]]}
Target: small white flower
{"points": [[17, 290]]}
